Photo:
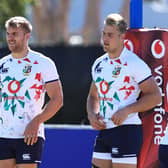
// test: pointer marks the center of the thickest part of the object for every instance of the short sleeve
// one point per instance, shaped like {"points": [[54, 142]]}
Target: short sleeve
{"points": [[49, 71], [97, 66], [92, 72], [94, 68], [139, 70]]}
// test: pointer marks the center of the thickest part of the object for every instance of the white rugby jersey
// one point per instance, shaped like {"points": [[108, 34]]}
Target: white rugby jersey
{"points": [[22, 91], [117, 84]]}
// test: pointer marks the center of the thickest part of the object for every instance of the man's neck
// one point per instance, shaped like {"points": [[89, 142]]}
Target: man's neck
{"points": [[116, 53], [21, 54]]}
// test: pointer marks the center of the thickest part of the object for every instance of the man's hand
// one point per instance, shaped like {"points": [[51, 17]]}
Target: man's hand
{"points": [[96, 121], [30, 132], [120, 116]]}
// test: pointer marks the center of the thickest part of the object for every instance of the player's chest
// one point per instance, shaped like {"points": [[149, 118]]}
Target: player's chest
{"points": [[112, 72], [16, 71]]}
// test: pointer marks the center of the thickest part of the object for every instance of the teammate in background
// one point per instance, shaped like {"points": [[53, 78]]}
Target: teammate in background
{"points": [[122, 86], [25, 77]]}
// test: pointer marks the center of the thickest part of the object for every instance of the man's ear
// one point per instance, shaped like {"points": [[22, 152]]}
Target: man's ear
{"points": [[28, 35], [123, 36]]}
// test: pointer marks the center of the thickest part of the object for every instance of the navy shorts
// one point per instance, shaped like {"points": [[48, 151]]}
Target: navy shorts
{"points": [[163, 156], [120, 142], [19, 150]]}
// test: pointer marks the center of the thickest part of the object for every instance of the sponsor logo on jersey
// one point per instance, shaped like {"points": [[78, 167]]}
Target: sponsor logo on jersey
{"points": [[98, 68], [2, 69], [14, 86], [104, 87]]}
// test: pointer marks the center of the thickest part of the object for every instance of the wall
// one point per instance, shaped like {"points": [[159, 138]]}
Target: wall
{"points": [[67, 146]]}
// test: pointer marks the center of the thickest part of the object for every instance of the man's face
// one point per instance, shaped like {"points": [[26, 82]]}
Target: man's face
{"points": [[16, 39], [112, 39]]}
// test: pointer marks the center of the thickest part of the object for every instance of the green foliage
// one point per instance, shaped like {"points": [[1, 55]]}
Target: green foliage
{"points": [[10, 8]]}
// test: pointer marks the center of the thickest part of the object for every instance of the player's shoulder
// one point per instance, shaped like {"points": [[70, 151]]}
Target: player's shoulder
{"points": [[101, 59], [134, 62], [131, 56], [6, 58], [39, 56]]}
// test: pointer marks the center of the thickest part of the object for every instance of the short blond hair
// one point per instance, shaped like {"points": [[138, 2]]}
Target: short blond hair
{"points": [[117, 20], [19, 21]]}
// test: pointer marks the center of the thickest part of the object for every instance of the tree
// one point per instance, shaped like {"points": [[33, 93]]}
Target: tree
{"points": [[91, 29], [125, 8], [50, 18], [10, 8]]}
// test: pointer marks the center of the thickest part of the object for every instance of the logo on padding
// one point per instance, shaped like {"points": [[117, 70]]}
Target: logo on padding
{"points": [[129, 45], [158, 49]]}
